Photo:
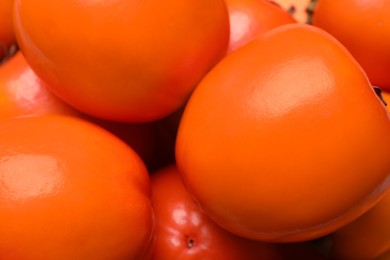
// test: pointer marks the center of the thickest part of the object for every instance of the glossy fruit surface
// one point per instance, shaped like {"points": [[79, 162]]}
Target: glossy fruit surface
{"points": [[288, 151], [250, 18], [183, 231], [130, 61], [363, 27], [70, 190], [22, 93], [368, 237]]}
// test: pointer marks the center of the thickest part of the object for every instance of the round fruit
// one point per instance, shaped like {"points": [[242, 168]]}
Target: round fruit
{"points": [[71, 190], [184, 231], [22, 93], [364, 28], [250, 18], [130, 61], [285, 144], [368, 237]]}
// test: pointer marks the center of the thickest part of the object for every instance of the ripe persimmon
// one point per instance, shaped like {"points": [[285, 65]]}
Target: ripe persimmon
{"points": [[363, 27], [368, 237], [250, 18], [183, 231], [22, 93], [130, 61], [385, 256], [71, 190], [285, 143]]}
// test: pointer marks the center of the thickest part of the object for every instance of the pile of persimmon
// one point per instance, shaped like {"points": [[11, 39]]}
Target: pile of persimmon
{"points": [[194, 129]]}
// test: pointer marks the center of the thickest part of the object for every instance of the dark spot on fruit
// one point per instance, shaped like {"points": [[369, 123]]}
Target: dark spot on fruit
{"points": [[190, 241]]}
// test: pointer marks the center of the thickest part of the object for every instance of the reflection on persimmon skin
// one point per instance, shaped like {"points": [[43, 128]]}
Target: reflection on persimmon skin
{"points": [[291, 99], [184, 231], [240, 26], [25, 89], [22, 92], [182, 216], [28, 176], [192, 221], [251, 18]]}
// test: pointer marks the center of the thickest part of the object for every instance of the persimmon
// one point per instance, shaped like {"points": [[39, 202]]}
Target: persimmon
{"points": [[129, 61], [22, 92], [363, 27], [250, 18], [385, 256], [368, 237], [71, 190], [183, 231], [285, 143]]}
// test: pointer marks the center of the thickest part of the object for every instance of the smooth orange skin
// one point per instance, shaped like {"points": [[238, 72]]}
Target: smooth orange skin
{"points": [[7, 36], [22, 93], [300, 6], [71, 190], [130, 61], [285, 144], [368, 237], [363, 27], [183, 231], [250, 18]]}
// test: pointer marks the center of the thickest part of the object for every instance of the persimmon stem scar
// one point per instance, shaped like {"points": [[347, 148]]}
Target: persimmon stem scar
{"points": [[190, 241]]}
